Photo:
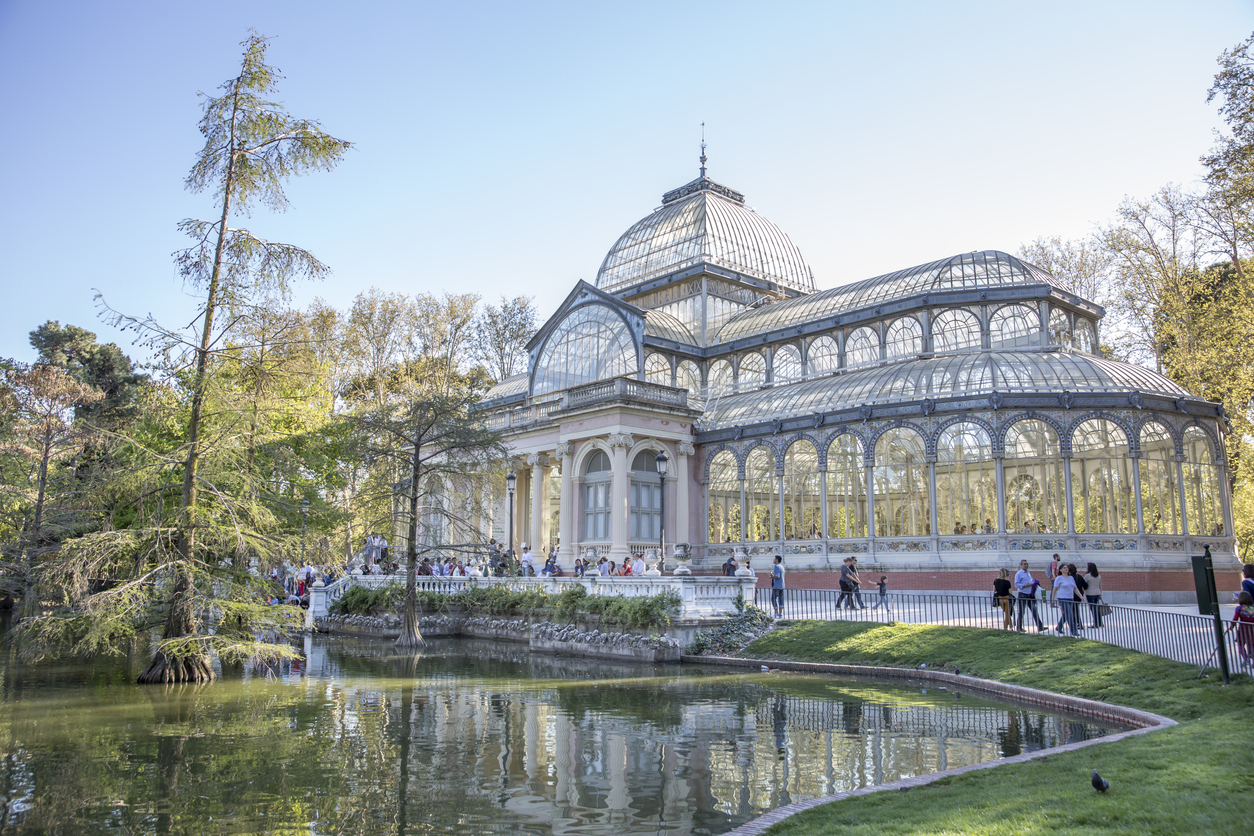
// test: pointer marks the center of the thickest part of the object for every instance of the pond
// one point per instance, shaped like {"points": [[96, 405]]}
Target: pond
{"points": [[468, 737]]}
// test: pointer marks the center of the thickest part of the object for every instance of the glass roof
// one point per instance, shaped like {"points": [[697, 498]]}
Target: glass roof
{"points": [[1008, 372], [704, 221], [514, 385], [982, 270], [661, 324]]}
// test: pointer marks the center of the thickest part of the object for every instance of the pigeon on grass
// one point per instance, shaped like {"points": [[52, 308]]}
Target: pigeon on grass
{"points": [[1099, 783]]}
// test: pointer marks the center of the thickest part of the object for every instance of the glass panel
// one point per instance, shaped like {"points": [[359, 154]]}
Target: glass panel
{"points": [[846, 488], [955, 330], [657, 369], [720, 379], [645, 511], [1101, 479], [786, 364], [724, 507], [1059, 328], [688, 376], [1160, 491], [905, 337], [1201, 486], [823, 356], [1036, 488], [761, 496], [596, 511], [862, 346], [591, 343], [966, 481], [598, 462], [803, 510], [1085, 339], [645, 462], [752, 371], [1014, 326], [902, 506]]}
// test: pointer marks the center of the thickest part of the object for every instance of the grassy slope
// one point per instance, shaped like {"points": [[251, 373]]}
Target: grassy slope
{"points": [[1193, 778]]}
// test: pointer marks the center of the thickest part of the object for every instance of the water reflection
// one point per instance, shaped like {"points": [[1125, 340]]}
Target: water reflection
{"points": [[468, 737]]}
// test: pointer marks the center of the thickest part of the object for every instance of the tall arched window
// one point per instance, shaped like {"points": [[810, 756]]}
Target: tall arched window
{"points": [[905, 337], [657, 369], [1160, 489], [596, 497], [1201, 486], [1059, 327], [1101, 479], [966, 481], [823, 356], [846, 488], [955, 330], [1036, 487], [720, 380], [1014, 326], [786, 364], [862, 346], [761, 496], [752, 371], [902, 503], [724, 509], [646, 498], [803, 509], [688, 376], [592, 343]]}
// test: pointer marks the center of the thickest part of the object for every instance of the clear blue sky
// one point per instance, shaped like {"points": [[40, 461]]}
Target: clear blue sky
{"points": [[503, 147]]}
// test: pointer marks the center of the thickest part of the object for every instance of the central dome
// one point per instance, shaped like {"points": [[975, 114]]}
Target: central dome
{"points": [[704, 222]]}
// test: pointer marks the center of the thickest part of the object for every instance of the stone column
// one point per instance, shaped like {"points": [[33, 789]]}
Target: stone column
{"points": [[565, 502], [620, 496], [1066, 463], [1184, 497], [539, 463], [998, 461], [1136, 485], [576, 516], [683, 532]]}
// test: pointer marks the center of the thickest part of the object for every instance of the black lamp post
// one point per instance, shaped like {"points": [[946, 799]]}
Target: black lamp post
{"points": [[510, 481], [661, 479], [304, 512]]}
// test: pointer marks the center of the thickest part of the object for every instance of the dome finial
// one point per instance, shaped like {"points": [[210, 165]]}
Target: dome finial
{"points": [[702, 149]]}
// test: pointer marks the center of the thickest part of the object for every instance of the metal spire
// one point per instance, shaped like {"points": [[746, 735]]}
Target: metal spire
{"points": [[702, 149]]}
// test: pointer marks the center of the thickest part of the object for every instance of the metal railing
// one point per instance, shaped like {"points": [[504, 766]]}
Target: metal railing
{"points": [[1181, 637]]}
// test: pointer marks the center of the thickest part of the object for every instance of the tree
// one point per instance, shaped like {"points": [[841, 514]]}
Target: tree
{"points": [[501, 335], [104, 367], [1081, 266], [252, 147]]}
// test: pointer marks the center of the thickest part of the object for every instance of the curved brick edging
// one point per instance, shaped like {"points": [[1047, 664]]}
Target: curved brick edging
{"points": [[1144, 720]]}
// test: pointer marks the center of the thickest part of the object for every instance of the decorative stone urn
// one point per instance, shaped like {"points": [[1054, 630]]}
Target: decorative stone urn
{"points": [[682, 556], [742, 564], [590, 555], [651, 559]]}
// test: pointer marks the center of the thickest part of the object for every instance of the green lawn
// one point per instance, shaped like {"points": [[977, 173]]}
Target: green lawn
{"points": [[1197, 777]]}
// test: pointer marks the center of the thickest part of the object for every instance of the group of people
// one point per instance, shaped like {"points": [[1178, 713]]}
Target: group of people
{"points": [[375, 549], [1069, 589], [1243, 617], [293, 586]]}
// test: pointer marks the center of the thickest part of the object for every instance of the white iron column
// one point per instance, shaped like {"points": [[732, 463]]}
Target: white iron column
{"points": [[1184, 497], [682, 478], [620, 496], [1136, 485], [565, 503], [539, 463]]}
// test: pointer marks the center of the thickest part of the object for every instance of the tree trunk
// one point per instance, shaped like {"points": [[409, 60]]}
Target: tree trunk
{"points": [[410, 636], [166, 668]]}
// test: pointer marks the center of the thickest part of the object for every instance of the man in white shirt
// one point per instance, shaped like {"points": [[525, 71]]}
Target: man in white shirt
{"points": [[638, 567], [528, 562], [1026, 586], [603, 568]]}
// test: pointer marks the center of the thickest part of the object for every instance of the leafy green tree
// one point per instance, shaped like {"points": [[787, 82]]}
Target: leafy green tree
{"points": [[501, 336], [104, 367]]}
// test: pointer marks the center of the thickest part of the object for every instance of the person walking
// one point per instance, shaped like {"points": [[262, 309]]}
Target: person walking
{"points": [[1243, 624], [1065, 596], [856, 580], [1001, 596], [1093, 593], [1026, 586], [1050, 597], [883, 587], [846, 586], [777, 586]]}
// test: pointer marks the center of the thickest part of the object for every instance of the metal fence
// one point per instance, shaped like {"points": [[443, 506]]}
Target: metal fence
{"points": [[1178, 636]]}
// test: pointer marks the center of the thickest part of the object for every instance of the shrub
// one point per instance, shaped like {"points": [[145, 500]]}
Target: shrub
{"points": [[747, 624]]}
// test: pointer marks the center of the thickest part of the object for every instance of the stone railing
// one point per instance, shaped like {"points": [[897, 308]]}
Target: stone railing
{"points": [[624, 388], [700, 597], [522, 416]]}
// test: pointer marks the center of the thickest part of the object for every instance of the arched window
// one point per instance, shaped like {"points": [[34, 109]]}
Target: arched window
{"points": [[902, 506], [966, 481], [862, 346], [646, 498], [955, 330], [1014, 326], [596, 497], [1101, 479], [720, 382], [1160, 493], [1036, 488], [905, 337], [591, 343], [803, 509], [846, 488], [688, 376], [786, 364], [1201, 486], [1059, 327], [823, 356], [1085, 338], [752, 371], [657, 369], [761, 496], [724, 509]]}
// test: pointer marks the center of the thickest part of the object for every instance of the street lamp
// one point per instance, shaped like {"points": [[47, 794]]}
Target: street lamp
{"points": [[661, 479], [510, 481], [304, 512]]}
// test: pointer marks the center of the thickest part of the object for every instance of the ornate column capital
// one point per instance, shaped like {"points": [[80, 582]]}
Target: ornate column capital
{"points": [[562, 450], [685, 448], [623, 440], [538, 460]]}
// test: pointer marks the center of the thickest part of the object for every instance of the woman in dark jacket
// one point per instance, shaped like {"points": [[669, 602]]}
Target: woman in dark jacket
{"points": [[1001, 596]]}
